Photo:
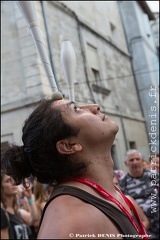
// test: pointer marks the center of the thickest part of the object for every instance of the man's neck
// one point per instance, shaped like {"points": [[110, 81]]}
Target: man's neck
{"points": [[136, 175], [102, 174], [99, 170]]}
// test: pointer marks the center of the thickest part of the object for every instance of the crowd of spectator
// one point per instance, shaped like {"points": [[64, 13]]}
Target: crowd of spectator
{"points": [[21, 207]]}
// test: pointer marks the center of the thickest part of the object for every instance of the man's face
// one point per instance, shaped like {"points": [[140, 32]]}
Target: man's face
{"points": [[135, 164], [94, 126]]}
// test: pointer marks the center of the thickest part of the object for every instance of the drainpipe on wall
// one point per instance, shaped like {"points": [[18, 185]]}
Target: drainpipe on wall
{"points": [[134, 76], [49, 44]]}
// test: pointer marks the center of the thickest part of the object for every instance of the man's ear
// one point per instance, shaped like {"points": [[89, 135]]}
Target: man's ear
{"points": [[65, 147]]}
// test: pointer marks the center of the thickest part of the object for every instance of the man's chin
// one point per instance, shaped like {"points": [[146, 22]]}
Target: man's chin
{"points": [[116, 129], [136, 172]]}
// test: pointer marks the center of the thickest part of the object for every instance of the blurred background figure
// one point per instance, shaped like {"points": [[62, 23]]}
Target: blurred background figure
{"points": [[41, 194], [146, 164], [154, 163], [4, 224], [140, 212], [23, 201], [142, 185], [119, 174], [19, 219]]}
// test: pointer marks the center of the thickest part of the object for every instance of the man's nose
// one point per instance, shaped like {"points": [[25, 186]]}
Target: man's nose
{"points": [[135, 160], [94, 108]]}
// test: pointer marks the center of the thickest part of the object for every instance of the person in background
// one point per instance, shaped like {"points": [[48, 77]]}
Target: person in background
{"points": [[19, 219], [146, 164], [25, 204], [4, 224], [119, 173], [142, 185], [23, 200], [154, 163], [70, 145], [41, 196], [142, 216]]}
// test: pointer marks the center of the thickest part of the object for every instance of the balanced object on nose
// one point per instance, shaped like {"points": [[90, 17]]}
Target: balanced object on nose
{"points": [[28, 10], [68, 61], [57, 96]]}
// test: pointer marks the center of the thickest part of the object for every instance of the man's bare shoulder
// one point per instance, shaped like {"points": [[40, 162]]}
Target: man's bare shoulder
{"points": [[67, 214]]}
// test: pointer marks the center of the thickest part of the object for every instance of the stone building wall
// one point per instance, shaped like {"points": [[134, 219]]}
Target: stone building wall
{"points": [[99, 50]]}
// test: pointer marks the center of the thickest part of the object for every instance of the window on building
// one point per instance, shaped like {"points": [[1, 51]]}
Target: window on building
{"points": [[113, 32], [114, 156], [95, 75], [93, 62], [132, 145]]}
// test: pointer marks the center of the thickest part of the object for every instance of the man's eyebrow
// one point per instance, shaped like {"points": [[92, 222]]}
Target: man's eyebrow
{"points": [[70, 103]]}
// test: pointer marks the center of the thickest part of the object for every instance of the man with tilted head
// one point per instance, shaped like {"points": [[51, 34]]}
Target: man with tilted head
{"points": [[70, 146]]}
